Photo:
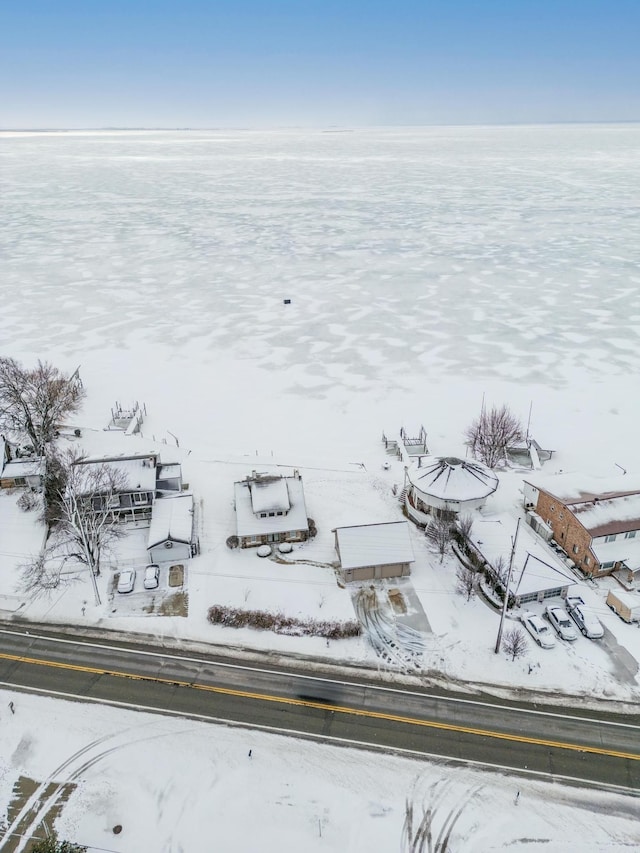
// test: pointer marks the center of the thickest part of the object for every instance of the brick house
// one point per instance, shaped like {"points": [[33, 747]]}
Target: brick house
{"points": [[596, 522]]}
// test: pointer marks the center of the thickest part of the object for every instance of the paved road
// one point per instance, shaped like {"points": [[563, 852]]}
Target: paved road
{"points": [[585, 746]]}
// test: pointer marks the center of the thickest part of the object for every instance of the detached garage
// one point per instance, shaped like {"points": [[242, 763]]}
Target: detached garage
{"points": [[171, 531], [374, 551]]}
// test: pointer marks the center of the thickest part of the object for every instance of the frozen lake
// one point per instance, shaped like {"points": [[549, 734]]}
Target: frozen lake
{"points": [[413, 258]]}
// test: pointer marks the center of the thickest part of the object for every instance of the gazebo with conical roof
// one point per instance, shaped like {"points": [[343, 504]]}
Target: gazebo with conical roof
{"points": [[437, 483]]}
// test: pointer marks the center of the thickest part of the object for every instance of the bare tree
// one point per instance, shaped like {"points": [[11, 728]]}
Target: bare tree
{"points": [[489, 435], [464, 523], [34, 402], [498, 574], [84, 504], [514, 642], [439, 530], [466, 581]]}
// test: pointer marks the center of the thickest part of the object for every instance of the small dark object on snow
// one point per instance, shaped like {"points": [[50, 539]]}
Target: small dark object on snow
{"points": [[117, 829], [11, 708], [517, 798], [250, 751], [287, 301]]}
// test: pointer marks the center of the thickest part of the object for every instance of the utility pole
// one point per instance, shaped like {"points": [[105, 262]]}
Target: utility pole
{"points": [[506, 591]]}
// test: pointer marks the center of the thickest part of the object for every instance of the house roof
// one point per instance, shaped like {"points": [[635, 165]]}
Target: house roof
{"points": [[269, 494], [249, 524], [139, 472], [620, 551], [535, 566], [23, 468], [374, 544], [171, 519], [604, 516], [576, 488], [451, 479]]}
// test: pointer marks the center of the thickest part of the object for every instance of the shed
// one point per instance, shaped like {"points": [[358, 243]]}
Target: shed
{"points": [[171, 530], [373, 551]]}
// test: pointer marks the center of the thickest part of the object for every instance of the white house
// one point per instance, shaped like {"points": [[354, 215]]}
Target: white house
{"points": [[446, 483], [17, 469], [371, 551], [171, 532], [270, 508]]}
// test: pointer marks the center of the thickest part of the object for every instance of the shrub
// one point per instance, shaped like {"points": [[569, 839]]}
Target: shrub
{"points": [[263, 620]]}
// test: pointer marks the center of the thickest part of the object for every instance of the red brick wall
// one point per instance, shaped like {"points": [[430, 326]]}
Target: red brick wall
{"points": [[568, 532]]}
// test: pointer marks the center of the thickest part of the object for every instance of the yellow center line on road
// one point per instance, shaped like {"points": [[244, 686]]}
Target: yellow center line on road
{"points": [[324, 706]]}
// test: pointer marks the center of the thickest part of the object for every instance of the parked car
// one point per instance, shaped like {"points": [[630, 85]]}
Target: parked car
{"points": [[539, 630], [127, 580], [559, 618], [588, 622], [151, 576]]}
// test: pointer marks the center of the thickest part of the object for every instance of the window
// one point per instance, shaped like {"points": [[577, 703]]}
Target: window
{"points": [[140, 497], [552, 508], [630, 534], [575, 549], [271, 514], [561, 516], [263, 515], [587, 560], [608, 565], [20, 481], [610, 538]]}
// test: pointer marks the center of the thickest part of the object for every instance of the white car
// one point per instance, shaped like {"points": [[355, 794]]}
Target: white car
{"points": [[588, 623], [126, 581], [151, 576], [559, 618], [539, 630]]}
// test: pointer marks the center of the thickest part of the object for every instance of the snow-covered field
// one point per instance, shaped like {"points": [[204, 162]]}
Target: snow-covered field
{"points": [[425, 268], [176, 785]]}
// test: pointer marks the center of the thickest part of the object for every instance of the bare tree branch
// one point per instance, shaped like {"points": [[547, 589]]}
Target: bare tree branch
{"points": [[466, 581], [514, 642], [438, 532], [34, 402], [83, 501], [489, 435]]}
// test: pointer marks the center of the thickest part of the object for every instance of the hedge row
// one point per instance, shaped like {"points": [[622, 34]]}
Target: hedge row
{"points": [[233, 617]]}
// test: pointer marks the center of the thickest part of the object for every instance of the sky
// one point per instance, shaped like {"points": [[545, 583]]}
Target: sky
{"points": [[237, 63]]}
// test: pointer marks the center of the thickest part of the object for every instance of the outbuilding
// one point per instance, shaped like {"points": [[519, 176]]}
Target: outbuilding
{"points": [[171, 531], [373, 551]]}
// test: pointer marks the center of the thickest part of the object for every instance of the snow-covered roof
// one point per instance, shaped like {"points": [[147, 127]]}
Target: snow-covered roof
{"points": [[171, 471], [269, 494], [374, 544], [139, 472], [535, 565], [576, 487], [620, 551], [23, 468], [171, 518], [451, 479], [249, 524], [610, 515]]}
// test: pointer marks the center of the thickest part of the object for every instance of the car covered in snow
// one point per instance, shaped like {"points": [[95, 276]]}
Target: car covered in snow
{"points": [[539, 630], [586, 621], [151, 576], [126, 581], [559, 619]]}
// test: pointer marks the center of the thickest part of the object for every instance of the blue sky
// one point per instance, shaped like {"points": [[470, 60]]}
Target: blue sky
{"points": [[66, 63]]}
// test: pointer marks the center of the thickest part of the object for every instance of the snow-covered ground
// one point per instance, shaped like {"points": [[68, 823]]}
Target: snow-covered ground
{"points": [[182, 785], [425, 268]]}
